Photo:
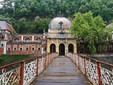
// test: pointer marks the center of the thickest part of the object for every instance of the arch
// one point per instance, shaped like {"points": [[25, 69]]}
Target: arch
{"points": [[52, 48], [38, 39], [71, 48], [16, 39], [27, 39], [61, 49]]}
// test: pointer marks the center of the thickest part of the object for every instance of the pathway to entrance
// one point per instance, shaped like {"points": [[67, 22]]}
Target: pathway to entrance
{"points": [[61, 72]]}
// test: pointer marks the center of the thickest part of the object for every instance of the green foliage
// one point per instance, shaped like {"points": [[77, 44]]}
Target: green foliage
{"points": [[90, 29], [6, 59], [16, 10]]}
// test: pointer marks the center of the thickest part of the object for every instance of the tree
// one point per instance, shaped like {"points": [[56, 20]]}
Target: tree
{"points": [[90, 29]]}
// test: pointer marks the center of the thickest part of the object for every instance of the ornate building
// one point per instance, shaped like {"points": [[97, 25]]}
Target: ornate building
{"points": [[59, 39]]}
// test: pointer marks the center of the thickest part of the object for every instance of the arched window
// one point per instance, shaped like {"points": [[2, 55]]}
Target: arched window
{"points": [[16, 39], [70, 48], [38, 39], [62, 49], [27, 39], [52, 48]]}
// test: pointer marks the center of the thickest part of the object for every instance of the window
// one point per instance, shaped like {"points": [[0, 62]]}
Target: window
{"points": [[44, 48], [38, 39], [21, 49], [27, 39], [16, 39], [15, 48], [38, 48], [2, 45], [33, 49], [26, 48], [2, 37], [8, 49]]}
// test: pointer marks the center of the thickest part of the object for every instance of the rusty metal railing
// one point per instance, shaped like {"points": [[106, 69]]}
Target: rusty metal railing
{"points": [[24, 72], [97, 72]]}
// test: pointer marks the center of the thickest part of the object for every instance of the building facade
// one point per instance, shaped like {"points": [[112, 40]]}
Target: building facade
{"points": [[59, 39]]}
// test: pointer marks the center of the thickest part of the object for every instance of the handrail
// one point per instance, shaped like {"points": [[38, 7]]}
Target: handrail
{"points": [[1, 67], [94, 59], [98, 60], [97, 72], [20, 74]]}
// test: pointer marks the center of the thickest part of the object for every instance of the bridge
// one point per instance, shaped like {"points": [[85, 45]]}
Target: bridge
{"points": [[51, 69]]}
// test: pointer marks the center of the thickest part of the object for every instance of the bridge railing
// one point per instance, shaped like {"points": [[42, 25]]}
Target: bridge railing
{"points": [[24, 72], [97, 72]]}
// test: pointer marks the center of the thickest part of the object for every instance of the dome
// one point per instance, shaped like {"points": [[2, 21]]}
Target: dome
{"points": [[4, 25], [60, 23]]}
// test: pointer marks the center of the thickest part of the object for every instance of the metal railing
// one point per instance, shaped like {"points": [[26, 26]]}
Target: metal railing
{"points": [[97, 72], [24, 72]]}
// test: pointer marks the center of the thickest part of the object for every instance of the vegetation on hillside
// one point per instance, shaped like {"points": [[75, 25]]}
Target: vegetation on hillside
{"points": [[32, 16]]}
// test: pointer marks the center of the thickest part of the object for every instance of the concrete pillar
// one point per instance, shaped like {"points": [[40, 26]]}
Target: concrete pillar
{"points": [[32, 38], [57, 46], [4, 46], [21, 38]]}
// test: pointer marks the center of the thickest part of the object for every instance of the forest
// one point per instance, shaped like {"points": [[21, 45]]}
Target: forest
{"points": [[33, 16]]}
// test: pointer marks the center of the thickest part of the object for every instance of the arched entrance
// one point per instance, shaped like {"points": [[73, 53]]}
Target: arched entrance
{"points": [[62, 49], [52, 48], [70, 48]]}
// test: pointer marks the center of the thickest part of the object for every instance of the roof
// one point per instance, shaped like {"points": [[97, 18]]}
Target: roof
{"points": [[4, 25], [60, 23]]}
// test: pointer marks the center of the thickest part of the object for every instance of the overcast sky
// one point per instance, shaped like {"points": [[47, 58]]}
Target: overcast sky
{"points": [[1, 0], [0, 3]]}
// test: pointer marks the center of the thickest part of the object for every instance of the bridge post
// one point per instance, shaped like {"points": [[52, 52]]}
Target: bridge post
{"points": [[78, 62], [47, 60], [84, 65], [37, 60], [22, 72], [99, 73], [75, 58], [45, 63]]}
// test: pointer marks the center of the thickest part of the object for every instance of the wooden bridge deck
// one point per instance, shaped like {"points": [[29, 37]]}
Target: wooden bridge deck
{"points": [[61, 72]]}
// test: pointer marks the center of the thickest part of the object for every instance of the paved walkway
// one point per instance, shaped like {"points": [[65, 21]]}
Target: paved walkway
{"points": [[61, 72]]}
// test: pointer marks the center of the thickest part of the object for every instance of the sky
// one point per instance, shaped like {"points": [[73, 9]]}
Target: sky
{"points": [[0, 3]]}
